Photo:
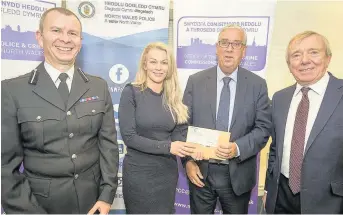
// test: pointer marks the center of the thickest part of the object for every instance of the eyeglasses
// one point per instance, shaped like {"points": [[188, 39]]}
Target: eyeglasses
{"points": [[226, 44]]}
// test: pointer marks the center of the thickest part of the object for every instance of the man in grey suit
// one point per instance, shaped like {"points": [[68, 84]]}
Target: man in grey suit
{"points": [[59, 122], [305, 167], [228, 98]]}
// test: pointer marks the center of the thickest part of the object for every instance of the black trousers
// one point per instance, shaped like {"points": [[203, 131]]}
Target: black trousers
{"points": [[217, 186], [286, 202]]}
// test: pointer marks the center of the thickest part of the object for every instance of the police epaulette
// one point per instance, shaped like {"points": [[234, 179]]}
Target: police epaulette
{"points": [[34, 77], [83, 75]]}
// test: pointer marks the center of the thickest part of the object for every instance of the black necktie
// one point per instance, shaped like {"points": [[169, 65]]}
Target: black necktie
{"points": [[63, 87]]}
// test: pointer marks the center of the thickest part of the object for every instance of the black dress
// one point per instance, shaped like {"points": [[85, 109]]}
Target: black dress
{"points": [[150, 172]]}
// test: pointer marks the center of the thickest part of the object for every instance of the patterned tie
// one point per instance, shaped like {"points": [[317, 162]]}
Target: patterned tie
{"points": [[222, 121], [298, 142], [63, 87]]}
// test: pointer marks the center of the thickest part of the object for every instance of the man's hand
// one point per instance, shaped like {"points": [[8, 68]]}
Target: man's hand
{"points": [[226, 150], [194, 174], [102, 206]]}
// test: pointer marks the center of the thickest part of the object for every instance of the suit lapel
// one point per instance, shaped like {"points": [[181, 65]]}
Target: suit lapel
{"points": [[333, 95], [211, 91], [241, 89], [282, 114], [46, 89], [78, 88]]}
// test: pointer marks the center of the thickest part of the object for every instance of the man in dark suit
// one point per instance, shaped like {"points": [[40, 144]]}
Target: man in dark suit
{"points": [[228, 98], [305, 167], [59, 122]]}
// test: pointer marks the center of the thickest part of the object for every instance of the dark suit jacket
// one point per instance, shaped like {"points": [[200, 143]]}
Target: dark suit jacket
{"points": [[322, 169], [70, 155], [251, 123]]}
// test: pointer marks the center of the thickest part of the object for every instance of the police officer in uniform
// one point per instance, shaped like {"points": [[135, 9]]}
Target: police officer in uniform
{"points": [[58, 121]]}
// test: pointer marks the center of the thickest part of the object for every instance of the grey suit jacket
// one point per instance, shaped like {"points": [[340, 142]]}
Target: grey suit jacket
{"points": [[70, 154], [322, 169], [251, 123]]}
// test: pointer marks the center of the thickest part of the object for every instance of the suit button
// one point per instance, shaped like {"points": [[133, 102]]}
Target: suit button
{"points": [[74, 156], [38, 118], [71, 135], [68, 113], [93, 111], [76, 176]]}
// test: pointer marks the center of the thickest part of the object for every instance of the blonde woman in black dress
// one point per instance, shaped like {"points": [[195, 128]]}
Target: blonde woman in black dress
{"points": [[152, 120]]}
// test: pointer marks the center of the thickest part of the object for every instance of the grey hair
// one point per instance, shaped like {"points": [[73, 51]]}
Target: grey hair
{"points": [[232, 26]]}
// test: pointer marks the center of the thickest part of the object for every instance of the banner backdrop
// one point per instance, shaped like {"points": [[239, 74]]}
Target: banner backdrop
{"points": [[115, 33], [196, 28], [19, 22]]}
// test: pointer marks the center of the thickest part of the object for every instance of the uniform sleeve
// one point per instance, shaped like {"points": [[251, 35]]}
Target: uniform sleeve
{"points": [[16, 193], [109, 153], [127, 124]]}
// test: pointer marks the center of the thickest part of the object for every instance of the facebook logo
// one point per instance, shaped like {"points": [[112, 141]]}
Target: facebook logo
{"points": [[119, 74]]}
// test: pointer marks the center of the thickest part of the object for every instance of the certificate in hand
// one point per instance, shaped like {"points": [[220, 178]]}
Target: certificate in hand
{"points": [[207, 140]]}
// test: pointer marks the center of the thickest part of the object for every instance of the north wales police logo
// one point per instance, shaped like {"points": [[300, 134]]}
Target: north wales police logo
{"points": [[86, 9]]}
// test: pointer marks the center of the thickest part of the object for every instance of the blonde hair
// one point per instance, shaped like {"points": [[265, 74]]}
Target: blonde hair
{"points": [[172, 95], [232, 26], [306, 34]]}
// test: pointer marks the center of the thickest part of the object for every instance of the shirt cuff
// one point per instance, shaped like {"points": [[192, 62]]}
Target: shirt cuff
{"points": [[238, 152]]}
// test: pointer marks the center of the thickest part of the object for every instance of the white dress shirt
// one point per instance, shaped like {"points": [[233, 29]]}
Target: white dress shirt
{"points": [[54, 73], [315, 95]]}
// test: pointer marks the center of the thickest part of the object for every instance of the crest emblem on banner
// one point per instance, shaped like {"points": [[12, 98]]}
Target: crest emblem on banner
{"points": [[86, 9]]}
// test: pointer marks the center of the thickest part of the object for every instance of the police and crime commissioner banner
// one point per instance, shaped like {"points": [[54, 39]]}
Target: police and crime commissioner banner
{"points": [[19, 22], [196, 28]]}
